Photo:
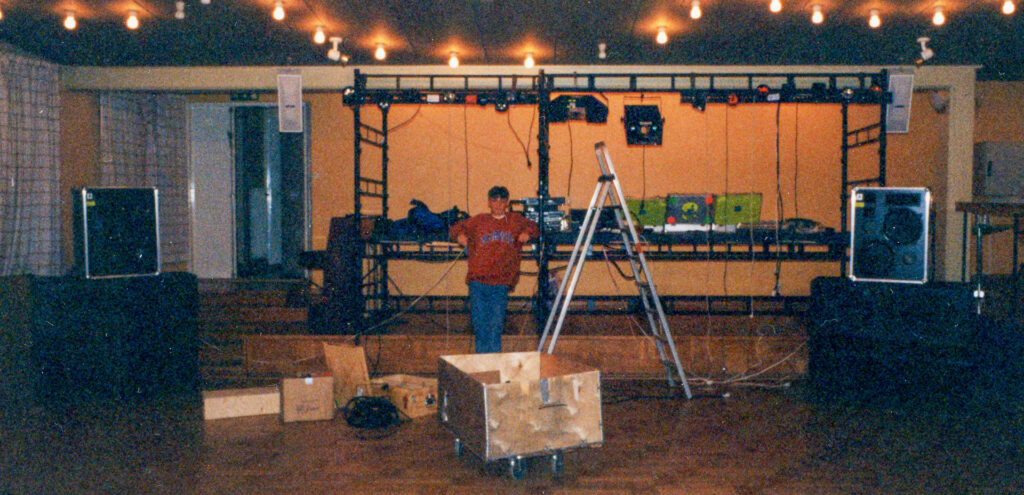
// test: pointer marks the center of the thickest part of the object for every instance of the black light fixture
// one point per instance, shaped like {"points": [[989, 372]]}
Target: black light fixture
{"points": [[643, 124], [577, 107]]}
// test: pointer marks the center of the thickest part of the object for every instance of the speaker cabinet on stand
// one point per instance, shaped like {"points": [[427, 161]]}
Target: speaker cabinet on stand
{"points": [[889, 234]]}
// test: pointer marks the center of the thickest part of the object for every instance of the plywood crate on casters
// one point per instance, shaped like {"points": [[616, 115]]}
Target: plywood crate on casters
{"points": [[507, 406]]}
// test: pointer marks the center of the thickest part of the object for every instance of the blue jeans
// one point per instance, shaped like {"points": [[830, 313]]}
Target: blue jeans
{"points": [[487, 304]]}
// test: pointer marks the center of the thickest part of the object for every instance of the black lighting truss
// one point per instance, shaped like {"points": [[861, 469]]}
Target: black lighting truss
{"points": [[503, 90]]}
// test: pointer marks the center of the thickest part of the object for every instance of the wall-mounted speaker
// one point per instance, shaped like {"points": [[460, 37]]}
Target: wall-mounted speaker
{"points": [[889, 234], [116, 231]]}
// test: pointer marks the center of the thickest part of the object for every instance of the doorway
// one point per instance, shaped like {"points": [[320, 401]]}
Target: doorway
{"points": [[250, 190]]}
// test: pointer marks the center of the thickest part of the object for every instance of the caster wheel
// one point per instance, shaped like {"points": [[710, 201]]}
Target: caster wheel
{"points": [[458, 447], [516, 468], [557, 463]]}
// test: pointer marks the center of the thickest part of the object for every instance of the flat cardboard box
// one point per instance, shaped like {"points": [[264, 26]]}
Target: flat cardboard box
{"points": [[415, 396], [504, 405], [348, 367], [308, 398], [238, 402]]}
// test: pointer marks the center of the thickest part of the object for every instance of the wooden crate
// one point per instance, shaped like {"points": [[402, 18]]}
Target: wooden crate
{"points": [[519, 404], [415, 396]]}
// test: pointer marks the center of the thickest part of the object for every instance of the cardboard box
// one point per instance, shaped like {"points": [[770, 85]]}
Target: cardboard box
{"points": [[238, 402], [307, 399], [519, 404], [348, 367], [415, 396]]}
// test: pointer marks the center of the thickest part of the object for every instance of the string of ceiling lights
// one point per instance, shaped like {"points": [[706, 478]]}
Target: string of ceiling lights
{"points": [[661, 34]]}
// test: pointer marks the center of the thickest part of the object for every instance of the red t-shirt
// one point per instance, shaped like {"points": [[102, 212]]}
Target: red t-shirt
{"points": [[494, 248]]}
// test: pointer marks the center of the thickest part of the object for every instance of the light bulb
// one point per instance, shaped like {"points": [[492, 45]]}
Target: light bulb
{"points": [[179, 10], [528, 61], [319, 37], [1009, 7], [69, 20], [817, 17], [695, 9], [278, 13], [602, 51], [453, 59], [662, 37], [874, 21], [775, 6], [940, 17], [133, 20], [1, 14], [380, 54]]}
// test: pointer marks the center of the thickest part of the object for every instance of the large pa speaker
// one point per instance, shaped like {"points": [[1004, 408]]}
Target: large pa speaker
{"points": [[889, 234], [116, 231]]}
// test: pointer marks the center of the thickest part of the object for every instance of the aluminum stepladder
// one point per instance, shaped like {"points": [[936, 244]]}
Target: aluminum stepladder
{"points": [[608, 188]]}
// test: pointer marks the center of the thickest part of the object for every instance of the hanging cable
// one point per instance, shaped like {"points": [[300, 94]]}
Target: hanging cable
{"points": [[572, 162], [776, 291]]}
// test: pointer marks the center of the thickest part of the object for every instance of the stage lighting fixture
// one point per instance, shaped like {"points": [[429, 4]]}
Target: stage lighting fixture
{"points": [[662, 36], [1009, 7], [699, 101], [179, 10], [380, 53], [278, 13], [643, 124], [319, 37], [775, 6], [501, 103], [847, 94], [335, 53], [939, 18], [926, 53], [577, 107]]}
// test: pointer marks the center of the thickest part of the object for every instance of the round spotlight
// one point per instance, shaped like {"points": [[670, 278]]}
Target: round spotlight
{"points": [[662, 36], [874, 20], [380, 53], [132, 22]]}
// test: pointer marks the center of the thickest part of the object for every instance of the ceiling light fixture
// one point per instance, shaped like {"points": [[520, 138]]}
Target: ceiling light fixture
{"points": [[278, 13], [662, 36], [132, 22], [69, 20], [874, 20], [775, 6], [695, 12], [380, 53], [1009, 7], [453, 59], [528, 61], [179, 10], [939, 18], [1, 13], [817, 16], [335, 53], [319, 37], [926, 53]]}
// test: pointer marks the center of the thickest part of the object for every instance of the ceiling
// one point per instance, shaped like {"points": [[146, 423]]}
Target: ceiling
{"points": [[501, 32]]}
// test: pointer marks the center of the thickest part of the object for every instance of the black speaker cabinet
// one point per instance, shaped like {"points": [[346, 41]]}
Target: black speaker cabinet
{"points": [[889, 229], [116, 231]]}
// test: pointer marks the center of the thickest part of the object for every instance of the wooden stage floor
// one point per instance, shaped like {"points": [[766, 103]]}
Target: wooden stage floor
{"points": [[736, 440]]}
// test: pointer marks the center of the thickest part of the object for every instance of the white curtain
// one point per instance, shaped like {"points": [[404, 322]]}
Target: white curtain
{"points": [[143, 144], [30, 225]]}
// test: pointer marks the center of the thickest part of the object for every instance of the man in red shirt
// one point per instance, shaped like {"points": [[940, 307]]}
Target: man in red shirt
{"points": [[493, 241]]}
